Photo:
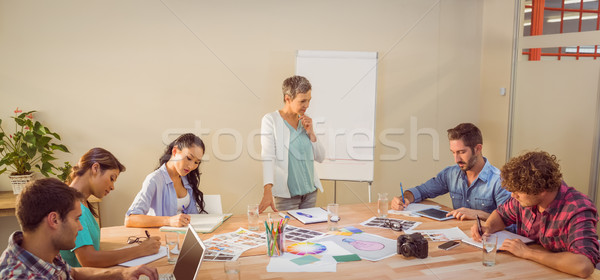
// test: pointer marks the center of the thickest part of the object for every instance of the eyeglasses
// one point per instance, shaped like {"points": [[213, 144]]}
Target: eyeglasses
{"points": [[135, 239], [394, 225]]}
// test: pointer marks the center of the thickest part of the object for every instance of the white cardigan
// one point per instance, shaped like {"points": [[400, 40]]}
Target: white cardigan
{"points": [[275, 142]]}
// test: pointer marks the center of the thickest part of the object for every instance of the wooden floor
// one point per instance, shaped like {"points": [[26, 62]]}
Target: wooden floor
{"points": [[462, 262]]}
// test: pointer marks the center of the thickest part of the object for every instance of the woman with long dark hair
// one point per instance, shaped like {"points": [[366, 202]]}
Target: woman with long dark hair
{"points": [[96, 174], [172, 191]]}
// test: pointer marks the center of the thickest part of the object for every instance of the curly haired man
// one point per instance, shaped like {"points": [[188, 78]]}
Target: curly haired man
{"points": [[548, 211]]}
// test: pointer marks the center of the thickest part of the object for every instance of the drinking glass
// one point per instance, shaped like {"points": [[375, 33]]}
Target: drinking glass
{"points": [[490, 244], [253, 217], [382, 205], [332, 216], [232, 269], [172, 241]]}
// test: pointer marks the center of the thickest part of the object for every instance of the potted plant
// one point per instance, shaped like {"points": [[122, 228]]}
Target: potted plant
{"points": [[30, 146]]}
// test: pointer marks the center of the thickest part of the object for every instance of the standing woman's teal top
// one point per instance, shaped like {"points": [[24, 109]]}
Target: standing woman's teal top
{"points": [[301, 171], [89, 235]]}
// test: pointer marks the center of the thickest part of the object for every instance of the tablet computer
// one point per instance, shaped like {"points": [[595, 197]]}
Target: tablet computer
{"points": [[435, 214]]}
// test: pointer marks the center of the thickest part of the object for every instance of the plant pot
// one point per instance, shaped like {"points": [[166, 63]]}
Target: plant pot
{"points": [[18, 182]]}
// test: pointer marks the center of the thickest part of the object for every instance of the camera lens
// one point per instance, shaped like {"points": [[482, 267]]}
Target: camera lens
{"points": [[407, 249]]}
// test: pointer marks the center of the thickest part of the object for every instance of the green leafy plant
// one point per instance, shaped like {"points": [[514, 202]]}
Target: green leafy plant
{"points": [[31, 145], [64, 171]]}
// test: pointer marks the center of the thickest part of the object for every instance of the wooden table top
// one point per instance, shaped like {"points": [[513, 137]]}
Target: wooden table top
{"points": [[462, 262]]}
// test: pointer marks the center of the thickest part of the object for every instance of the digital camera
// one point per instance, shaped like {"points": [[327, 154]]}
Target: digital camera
{"points": [[413, 245]]}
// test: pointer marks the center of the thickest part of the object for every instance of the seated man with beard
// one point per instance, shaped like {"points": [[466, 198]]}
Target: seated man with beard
{"points": [[473, 183]]}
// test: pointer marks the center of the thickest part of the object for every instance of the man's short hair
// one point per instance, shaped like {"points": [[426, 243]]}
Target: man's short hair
{"points": [[294, 85], [41, 197], [468, 133], [531, 173]]}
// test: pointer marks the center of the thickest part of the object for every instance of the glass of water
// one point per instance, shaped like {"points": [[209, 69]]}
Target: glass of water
{"points": [[332, 216], [232, 269], [382, 205], [172, 241], [253, 217], [490, 244]]}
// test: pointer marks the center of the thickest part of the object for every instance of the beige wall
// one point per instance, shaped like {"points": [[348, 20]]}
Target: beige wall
{"points": [[553, 117], [121, 74], [498, 17]]}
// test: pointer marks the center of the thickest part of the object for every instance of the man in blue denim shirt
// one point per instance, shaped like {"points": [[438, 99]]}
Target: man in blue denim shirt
{"points": [[473, 183]]}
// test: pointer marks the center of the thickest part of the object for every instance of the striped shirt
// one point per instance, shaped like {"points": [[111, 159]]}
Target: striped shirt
{"points": [[568, 224], [18, 263]]}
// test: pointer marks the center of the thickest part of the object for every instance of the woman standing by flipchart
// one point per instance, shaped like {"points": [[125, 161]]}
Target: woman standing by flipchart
{"points": [[289, 149], [96, 174]]}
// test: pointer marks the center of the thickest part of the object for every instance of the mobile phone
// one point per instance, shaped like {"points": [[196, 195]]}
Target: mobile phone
{"points": [[449, 245]]}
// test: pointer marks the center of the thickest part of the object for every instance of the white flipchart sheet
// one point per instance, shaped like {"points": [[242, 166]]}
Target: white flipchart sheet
{"points": [[344, 87]]}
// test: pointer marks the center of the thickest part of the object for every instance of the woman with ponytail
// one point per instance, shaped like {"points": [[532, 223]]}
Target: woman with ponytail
{"points": [[172, 191], [95, 174]]}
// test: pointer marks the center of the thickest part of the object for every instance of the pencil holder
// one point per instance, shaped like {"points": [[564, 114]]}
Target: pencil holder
{"points": [[275, 240]]}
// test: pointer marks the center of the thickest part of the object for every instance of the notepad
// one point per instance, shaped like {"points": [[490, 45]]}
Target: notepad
{"points": [[502, 235], [202, 223], [162, 252], [309, 215]]}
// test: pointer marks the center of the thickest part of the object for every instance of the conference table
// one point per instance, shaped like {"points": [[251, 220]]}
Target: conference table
{"points": [[461, 262]]}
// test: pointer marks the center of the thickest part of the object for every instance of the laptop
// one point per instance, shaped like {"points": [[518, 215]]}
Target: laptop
{"points": [[190, 258]]}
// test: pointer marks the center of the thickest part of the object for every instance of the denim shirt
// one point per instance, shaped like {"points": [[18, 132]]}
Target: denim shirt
{"points": [[485, 193], [158, 197]]}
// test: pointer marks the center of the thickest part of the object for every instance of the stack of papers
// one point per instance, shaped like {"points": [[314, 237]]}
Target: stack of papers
{"points": [[202, 223]]}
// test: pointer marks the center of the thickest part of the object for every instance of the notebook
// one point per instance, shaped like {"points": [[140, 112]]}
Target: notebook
{"points": [[190, 257], [202, 223], [309, 215], [502, 235]]}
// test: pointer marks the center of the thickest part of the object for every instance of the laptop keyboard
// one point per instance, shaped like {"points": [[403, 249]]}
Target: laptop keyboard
{"points": [[168, 276]]}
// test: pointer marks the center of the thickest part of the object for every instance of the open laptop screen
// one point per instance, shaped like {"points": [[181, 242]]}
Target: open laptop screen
{"points": [[190, 256]]}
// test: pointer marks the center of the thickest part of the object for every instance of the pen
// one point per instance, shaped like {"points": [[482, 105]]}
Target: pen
{"points": [[304, 214], [147, 234], [183, 209], [479, 225], [402, 192]]}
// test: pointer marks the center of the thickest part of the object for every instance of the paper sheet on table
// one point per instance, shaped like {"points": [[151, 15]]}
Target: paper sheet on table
{"points": [[162, 252], [333, 249], [441, 234], [412, 208], [368, 246], [202, 223], [284, 264], [502, 235]]}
